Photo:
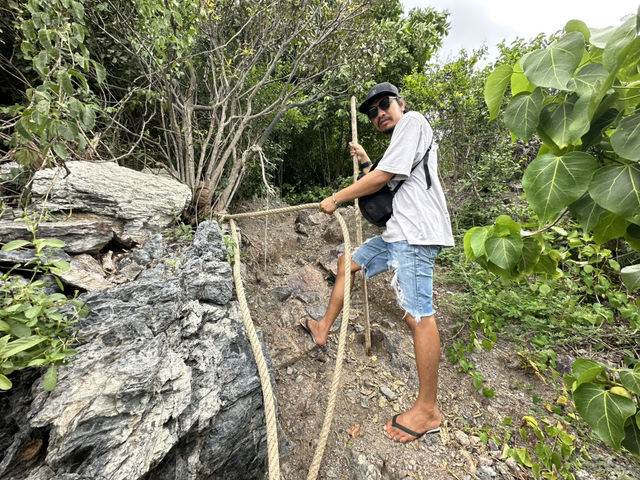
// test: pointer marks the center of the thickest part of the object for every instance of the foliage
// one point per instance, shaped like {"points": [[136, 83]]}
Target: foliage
{"points": [[58, 109], [36, 331], [579, 96]]}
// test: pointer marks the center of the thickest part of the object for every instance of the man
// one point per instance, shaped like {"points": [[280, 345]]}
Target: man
{"points": [[417, 230]]}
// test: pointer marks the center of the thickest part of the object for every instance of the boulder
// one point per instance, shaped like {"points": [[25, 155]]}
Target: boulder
{"points": [[80, 235], [164, 384], [138, 204]]}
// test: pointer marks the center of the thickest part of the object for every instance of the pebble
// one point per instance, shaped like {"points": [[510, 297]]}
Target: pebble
{"points": [[485, 461], [387, 392], [512, 464], [462, 438], [493, 446], [486, 473]]}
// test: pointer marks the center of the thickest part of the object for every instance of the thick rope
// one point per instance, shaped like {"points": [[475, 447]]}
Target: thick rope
{"points": [[272, 434], [263, 371]]}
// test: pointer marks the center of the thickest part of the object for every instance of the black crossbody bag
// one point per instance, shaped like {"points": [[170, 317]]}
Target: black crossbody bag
{"points": [[377, 207]]}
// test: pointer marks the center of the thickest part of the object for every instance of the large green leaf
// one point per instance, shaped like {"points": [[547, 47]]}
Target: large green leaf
{"points": [[589, 79], [50, 378], [531, 250], [631, 276], [554, 182], [621, 37], [519, 81], [609, 227], [587, 212], [617, 188], [566, 122], [605, 412], [585, 370], [632, 435], [523, 113], [631, 380], [626, 138], [477, 238], [5, 383], [554, 66], [632, 236], [504, 251], [495, 87]]}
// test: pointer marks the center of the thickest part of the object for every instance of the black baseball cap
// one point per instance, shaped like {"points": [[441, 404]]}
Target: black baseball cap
{"points": [[379, 90]]}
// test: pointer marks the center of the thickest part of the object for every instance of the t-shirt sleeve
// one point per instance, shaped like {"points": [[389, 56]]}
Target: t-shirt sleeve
{"points": [[399, 156]]}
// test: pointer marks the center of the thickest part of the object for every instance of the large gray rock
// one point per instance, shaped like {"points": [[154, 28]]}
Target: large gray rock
{"points": [[138, 203], [164, 385], [80, 235]]}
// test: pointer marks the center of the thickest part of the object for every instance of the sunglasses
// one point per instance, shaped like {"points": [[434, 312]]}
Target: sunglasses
{"points": [[384, 104]]}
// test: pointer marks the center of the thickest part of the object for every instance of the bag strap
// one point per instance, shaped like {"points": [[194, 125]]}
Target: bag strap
{"points": [[424, 161]]}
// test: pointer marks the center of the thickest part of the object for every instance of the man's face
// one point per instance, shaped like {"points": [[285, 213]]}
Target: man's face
{"points": [[386, 119]]}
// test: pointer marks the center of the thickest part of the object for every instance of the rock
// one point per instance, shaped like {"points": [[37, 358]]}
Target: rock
{"points": [[387, 392], [282, 293], [164, 386], [485, 473], [308, 283], [316, 312], [564, 363], [361, 468], [584, 475], [138, 204], [85, 273], [329, 261], [153, 249], [80, 235], [318, 218], [462, 438], [513, 465], [493, 446]]}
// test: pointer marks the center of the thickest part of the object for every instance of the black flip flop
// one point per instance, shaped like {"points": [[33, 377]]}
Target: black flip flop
{"points": [[395, 424], [306, 328]]}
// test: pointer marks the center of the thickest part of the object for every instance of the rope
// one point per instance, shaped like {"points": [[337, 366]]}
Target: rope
{"points": [[267, 392], [263, 371]]}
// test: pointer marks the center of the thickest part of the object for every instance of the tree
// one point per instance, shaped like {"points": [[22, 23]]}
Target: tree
{"points": [[580, 95], [218, 76]]}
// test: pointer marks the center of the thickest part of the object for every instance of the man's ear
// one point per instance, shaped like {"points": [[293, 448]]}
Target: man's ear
{"points": [[402, 104]]}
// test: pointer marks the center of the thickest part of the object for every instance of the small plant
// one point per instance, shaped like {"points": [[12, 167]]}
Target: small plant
{"points": [[230, 244], [35, 331]]}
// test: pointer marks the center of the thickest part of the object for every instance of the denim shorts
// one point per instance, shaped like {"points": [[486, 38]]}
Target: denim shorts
{"points": [[412, 267]]}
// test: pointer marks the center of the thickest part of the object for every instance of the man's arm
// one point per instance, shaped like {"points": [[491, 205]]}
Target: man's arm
{"points": [[370, 183]]}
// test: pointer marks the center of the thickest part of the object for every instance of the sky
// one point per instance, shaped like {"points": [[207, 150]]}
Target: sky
{"points": [[474, 22]]}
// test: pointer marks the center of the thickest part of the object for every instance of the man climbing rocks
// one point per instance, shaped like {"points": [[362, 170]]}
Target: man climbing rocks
{"points": [[417, 230]]}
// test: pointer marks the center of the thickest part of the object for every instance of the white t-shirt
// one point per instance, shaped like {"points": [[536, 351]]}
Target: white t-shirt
{"points": [[420, 216]]}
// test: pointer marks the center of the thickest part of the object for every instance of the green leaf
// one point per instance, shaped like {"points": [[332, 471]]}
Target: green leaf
{"points": [[547, 266], [617, 188], [605, 412], [14, 245], [88, 118], [631, 379], [101, 73], [531, 250], [50, 242], [61, 150], [504, 251], [620, 38], [578, 26], [587, 212], [552, 182], [519, 81], [589, 80], [50, 378], [554, 66], [477, 237], [632, 435], [20, 345], [19, 329], [585, 370], [566, 122], [32, 312], [631, 276], [4, 326], [5, 383], [626, 138], [65, 83], [609, 227], [523, 113], [505, 226], [495, 87]]}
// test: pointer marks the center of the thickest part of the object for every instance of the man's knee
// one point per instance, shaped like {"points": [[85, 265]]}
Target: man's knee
{"points": [[423, 322], [354, 266]]}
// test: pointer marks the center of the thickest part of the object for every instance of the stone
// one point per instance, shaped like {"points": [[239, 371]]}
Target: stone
{"points": [[329, 261], [138, 204], [361, 468], [462, 438], [309, 284], [153, 249], [85, 273], [80, 235], [164, 385], [485, 473], [387, 392]]}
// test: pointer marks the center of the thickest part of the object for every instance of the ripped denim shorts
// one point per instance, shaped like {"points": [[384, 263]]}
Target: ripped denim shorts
{"points": [[412, 267]]}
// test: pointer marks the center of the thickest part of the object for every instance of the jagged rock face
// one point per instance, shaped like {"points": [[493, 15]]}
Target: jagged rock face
{"points": [[164, 384], [137, 203]]}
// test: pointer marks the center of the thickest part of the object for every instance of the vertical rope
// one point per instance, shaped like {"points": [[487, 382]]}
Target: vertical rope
{"points": [[356, 169], [263, 371]]}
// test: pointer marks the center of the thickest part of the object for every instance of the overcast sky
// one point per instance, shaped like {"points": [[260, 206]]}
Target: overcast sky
{"points": [[474, 22]]}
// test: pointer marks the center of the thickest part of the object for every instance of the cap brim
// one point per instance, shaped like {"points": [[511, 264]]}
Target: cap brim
{"points": [[367, 103]]}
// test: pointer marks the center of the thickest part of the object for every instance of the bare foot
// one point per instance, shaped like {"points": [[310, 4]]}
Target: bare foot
{"points": [[315, 330], [412, 424]]}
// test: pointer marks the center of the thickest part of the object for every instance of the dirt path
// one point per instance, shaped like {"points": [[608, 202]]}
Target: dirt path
{"points": [[374, 388]]}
